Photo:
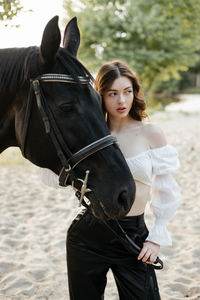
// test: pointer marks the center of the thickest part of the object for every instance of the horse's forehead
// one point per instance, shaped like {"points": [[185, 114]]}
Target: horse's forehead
{"points": [[66, 63], [64, 92]]}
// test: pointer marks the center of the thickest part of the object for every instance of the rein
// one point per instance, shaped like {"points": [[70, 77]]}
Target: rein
{"points": [[68, 159], [129, 243]]}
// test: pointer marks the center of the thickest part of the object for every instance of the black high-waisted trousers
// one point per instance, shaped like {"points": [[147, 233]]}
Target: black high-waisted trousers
{"points": [[93, 249]]}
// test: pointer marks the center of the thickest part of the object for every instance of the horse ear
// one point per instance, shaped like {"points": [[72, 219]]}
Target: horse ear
{"points": [[50, 41], [71, 40]]}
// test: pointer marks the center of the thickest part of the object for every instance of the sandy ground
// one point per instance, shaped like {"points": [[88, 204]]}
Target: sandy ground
{"points": [[34, 220], [189, 104]]}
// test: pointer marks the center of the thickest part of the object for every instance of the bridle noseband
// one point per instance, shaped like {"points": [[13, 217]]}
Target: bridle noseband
{"points": [[68, 160]]}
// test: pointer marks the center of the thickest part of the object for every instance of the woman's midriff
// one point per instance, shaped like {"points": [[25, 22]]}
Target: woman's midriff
{"points": [[142, 195]]}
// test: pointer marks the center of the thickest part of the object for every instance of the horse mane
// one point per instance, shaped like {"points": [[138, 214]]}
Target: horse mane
{"points": [[12, 66], [20, 64]]}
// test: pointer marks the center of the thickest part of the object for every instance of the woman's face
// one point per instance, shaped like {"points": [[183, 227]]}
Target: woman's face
{"points": [[119, 97]]}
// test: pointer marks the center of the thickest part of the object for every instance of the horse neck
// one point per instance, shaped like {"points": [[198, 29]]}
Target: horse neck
{"points": [[7, 121], [12, 95], [11, 117]]}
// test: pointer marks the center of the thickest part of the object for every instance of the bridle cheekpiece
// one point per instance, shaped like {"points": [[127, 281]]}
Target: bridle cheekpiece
{"points": [[68, 160]]}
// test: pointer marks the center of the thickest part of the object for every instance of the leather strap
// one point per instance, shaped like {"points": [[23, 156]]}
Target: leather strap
{"points": [[50, 125], [130, 244], [67, 172], [90, 149], [26, 120]]}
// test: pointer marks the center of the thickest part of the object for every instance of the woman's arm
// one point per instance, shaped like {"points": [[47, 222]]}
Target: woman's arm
{"points": [[165, 192]]}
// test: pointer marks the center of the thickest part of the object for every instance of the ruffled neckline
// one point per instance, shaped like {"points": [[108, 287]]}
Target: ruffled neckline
{"points": [[153, 150]]}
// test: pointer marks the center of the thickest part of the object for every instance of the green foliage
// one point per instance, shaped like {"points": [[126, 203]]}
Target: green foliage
{"points": [[9, 9], [156, 38]]}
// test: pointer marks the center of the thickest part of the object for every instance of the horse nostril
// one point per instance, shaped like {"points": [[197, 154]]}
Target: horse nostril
{"points": [[122, 200]]}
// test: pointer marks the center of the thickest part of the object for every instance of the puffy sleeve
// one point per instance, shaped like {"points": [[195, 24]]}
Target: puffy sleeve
{"points": [[49, 178], [165, 192]]}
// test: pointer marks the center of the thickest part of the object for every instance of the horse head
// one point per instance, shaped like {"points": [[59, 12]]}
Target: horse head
{"points": [[58, 122]]}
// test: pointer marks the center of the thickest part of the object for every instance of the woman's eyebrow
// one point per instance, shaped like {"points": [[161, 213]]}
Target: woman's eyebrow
{"points": [[128, 87], [114, 90]]}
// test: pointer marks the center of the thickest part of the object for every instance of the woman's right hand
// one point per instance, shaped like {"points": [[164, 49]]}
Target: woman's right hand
{"points": [[149, 252]]}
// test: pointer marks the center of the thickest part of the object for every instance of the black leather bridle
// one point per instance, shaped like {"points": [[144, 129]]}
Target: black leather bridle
{"points": [[68, 159]]}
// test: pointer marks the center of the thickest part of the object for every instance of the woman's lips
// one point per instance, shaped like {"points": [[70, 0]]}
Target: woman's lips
{"points": [[121, 109]]}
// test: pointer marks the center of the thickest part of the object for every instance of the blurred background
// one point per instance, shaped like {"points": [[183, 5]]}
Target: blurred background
{"points": [[159, 39]]}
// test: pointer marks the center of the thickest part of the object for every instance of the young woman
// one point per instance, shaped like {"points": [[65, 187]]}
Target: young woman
{"points": [[92, 248]]}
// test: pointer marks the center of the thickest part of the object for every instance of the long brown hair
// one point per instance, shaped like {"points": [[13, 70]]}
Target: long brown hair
{"points": [[113, 70]]}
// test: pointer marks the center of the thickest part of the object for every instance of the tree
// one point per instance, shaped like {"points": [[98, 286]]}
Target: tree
{"points": [[9, 9], [157, 38]]}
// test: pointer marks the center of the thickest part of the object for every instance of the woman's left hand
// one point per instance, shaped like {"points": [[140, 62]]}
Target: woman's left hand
{"points": [[150, 250]]}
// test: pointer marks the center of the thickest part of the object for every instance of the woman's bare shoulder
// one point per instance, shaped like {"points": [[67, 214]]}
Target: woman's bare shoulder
{"points": [[155, 135]]}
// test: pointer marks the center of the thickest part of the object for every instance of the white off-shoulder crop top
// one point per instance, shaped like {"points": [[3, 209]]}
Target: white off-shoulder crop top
{"points": [[141, 167], [146, 163], [152, 167]]}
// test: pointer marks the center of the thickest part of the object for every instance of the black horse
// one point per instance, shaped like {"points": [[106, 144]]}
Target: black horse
{"points": [[49, 109]]}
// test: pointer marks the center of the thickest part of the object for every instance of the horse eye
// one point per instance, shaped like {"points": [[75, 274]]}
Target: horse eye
{"points": [[66, 107]]}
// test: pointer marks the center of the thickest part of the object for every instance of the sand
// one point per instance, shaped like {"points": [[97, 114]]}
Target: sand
{"points": [[34, 221]]}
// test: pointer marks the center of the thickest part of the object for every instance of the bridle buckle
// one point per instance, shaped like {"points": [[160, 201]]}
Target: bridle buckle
{"points": [[64, 175], [84, 188]]}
